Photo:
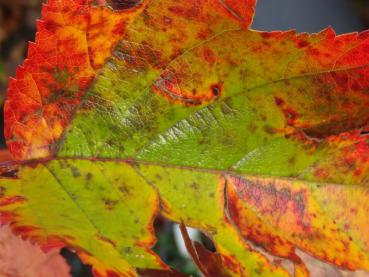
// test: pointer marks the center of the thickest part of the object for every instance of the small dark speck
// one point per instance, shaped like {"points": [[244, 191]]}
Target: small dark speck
{"points": [[124, 189], [127, 250], [195, 186], [89, 176], [75, 171], [109, 203], [215, 89]]}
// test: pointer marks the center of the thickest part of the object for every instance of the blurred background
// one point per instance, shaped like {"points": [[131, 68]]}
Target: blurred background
{"points": [[18, 25]]}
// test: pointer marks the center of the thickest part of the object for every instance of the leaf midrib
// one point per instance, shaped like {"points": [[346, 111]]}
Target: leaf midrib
{"points": [[135, 163]]}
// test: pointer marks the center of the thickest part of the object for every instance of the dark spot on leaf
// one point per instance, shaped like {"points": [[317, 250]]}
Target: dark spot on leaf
{"points": [[109, 203], [124, 189], [258, 271], [75, 171], [292, 160], [51, 25], [105, 239], [302, 44], [124, 4], [216, 89], [266, 35], [127, 250], [278, 101], [195, 186], [335, 127], [270, 130], [89, 176], [74, 196], [341, 79]]}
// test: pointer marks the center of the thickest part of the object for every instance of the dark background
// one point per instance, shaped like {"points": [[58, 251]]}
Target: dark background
{"points": [[18, 25], [311, 15]]}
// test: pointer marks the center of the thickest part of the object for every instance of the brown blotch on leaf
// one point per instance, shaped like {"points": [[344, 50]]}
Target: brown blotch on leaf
{"points": [[109, 203], [124, 4], [336, 127], [270, 130], [124, 189], [89, 176], [105, 239], [195, 186], [255, 193], [75, 171], [127, 250]]}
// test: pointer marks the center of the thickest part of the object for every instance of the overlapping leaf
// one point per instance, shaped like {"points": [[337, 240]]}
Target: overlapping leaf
{"points": [[258, 139], [21, 258]]}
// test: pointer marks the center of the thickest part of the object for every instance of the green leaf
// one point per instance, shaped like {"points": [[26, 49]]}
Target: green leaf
{"points": [[257, 139]]}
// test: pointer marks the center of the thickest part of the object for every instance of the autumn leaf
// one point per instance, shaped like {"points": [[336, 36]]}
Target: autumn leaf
{"points": [[178, 108], [20, 258]]}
